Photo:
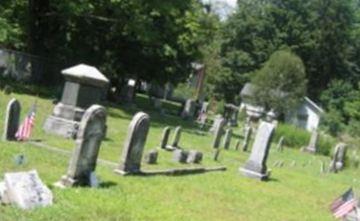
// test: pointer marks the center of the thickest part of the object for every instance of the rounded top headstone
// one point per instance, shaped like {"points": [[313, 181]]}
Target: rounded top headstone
{"points": [[85, 74]]}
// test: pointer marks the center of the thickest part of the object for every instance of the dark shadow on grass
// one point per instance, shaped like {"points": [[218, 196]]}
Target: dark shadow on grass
{"points": [[108, 184], [271, 179]]}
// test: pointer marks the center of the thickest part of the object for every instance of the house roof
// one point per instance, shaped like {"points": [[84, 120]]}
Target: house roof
{"points": [[247, 90], [313, 105]]}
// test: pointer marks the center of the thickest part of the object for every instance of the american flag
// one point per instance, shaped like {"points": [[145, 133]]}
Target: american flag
{"points": [[24, 131], [344, 204]]}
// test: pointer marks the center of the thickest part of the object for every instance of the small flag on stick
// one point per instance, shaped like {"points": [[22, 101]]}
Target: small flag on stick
{"points": [[24, 131], [344, 204]]}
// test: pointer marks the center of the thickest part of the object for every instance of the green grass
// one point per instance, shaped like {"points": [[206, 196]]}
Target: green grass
{"points": [[294, 193]]}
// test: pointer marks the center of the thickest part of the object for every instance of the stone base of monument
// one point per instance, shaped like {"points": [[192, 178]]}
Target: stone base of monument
{"points": [[253, 174], [60, 126], [308, 150], [126, 173], [66, 181]]}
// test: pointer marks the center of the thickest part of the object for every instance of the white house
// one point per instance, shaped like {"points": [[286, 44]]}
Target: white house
{"points": [[306, 116]]}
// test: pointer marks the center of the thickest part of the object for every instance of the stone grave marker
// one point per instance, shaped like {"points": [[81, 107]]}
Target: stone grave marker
{"points": [[130, 161], [311, 148], [218, 133], [189, 109], [218, 120], [84, 86], [279, 146], [26, 190], [247, 136], [217, 154], [151, 157], [338, 159], [194, 156], [83, 161], [255, 167], [180, 156], [176, 137], [227, 138], [165, 137], [12, 117]]}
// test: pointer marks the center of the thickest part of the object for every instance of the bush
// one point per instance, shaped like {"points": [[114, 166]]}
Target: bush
{"points": [[295, 137], [220, 107]]}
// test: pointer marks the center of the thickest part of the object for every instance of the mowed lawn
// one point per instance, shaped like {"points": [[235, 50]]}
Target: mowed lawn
{"points": [[295, 192]]}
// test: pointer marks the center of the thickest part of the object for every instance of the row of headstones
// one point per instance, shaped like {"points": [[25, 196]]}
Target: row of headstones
{"points": [[219, 131], [179, 155]]}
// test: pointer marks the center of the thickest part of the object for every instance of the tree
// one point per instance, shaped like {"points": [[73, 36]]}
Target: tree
{"points": [[281, 83]]}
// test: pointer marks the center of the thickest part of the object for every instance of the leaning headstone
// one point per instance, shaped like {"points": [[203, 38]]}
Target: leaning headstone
{"points": [[279, 146], [180, 156], [12, 116], [227, 138], [189, 109], [151, 157], [218, 133], [83, 161], [247, 136], [165, 137], [218, 120], [26, 190], [194, 157], [311, 148], [176, 137], [255, 167], [337, 162], [130, 162]]}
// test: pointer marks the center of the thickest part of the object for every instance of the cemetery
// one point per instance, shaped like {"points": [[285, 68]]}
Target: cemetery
{"points": [[180, 110]]}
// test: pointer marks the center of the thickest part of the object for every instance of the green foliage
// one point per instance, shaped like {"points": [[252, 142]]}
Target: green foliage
{"points": [[183, 90], [281, 83], [332, 122], [220, 107]]}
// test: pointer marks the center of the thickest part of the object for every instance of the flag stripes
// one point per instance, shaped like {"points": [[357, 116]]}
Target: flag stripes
{"points": [[25, 129]]}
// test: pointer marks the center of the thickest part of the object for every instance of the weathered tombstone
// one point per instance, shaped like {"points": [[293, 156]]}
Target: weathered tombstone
{"points": [[337, 162], [176, 137], [227, 138], [130, 162], [84, 86], [218, 120], [129, 91], [83, 161], [194, 157], [157, 103], [165, 137], [255, 167], [247, 136], [231, 114], [189, 109], [279, 146], [218, 133], [26, 190], [180, 156], [151, 157], [311, 148], [12, 116]]}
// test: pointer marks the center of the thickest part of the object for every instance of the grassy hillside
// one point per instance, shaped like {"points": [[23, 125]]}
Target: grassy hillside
{"points": [[297, 192]]}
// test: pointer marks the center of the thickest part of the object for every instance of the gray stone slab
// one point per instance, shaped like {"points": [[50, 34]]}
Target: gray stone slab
{"points": [[194, 157], [219, 130], [312, 147], [180, 156], [130, 162], [90, 135], [12, 117], [26, 190], [176, 138], [165, 137], [151, 157], [256, 167], [247, 137], [338, 159], [227, 138]]}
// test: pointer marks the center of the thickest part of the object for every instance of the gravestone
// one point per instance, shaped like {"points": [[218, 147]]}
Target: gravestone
{"points": [[26, 190], [311, 148], [84, 86], [216, 154], [218, 133], [279, 146], [130, 161], [231, 113], [189, 109], [165, 137], [237, 144], [12, 117], [180, 156], [194, 157], [338, 160], [218, 120], [255, 167], [227, 138], [176, 137], [247, 136], [151, 157], [83, 161], [128, 91]]}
